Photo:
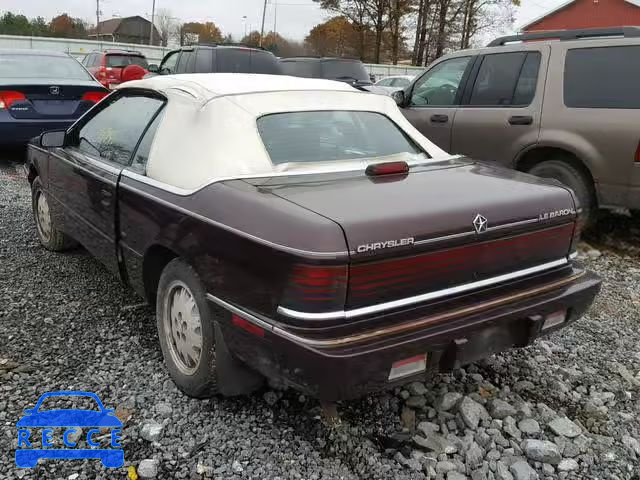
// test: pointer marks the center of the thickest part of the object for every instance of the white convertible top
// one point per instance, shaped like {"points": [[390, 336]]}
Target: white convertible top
{"points": [[209, 131]]}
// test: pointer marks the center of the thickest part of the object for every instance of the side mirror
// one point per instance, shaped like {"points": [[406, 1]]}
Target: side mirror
{"points": [[153, 68], [399, 97], [53, 139]]}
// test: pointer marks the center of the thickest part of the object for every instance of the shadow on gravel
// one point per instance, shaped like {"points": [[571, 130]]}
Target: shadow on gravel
{"points": [[617, 232], [12, 154]]}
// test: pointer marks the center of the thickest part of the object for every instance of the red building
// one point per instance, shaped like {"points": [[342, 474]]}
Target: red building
{"points": [[588, 14]]}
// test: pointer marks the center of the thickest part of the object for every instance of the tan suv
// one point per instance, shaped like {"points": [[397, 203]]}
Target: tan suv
{"points": [[565, 106]]}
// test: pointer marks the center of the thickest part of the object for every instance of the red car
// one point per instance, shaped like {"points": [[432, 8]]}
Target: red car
{"points": [[113, 67]]}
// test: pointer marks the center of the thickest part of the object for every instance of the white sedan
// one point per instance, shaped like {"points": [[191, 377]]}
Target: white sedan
{"points": [[394, 83]]}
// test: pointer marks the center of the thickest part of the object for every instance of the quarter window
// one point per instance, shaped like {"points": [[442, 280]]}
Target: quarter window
{"points": [[496, 81], [113, 133], [440, 85], [141, 157], [603, 77]]}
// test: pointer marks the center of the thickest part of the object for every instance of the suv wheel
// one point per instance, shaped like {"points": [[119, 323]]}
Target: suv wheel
{"points": [[572, 178]]}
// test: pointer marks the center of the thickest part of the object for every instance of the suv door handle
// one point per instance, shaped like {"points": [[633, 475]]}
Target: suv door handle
{"points": [[521, 120], [439, 118]]}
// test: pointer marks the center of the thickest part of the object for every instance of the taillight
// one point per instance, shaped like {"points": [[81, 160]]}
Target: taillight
{"points": [[8, 97], [101, 73], [388, 168], [316, 289], [637, 157], [577, 231], [94, 97]]}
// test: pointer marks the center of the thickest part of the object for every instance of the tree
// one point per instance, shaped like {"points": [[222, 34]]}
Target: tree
{"points": [[66, 27], [206, 32], [337, 37], [39, 27], [11, 24], [167, 26]]}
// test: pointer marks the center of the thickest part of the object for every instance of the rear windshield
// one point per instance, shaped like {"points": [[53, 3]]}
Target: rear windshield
{"points": [[332, 136], [301, 68], [244, 60], [344, 70], [121, 61], [41, 66]]}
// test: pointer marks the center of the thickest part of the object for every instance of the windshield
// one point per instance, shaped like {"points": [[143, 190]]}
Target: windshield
{"points": [[345, 70], [332, 136], [121, 61], [41, 66]]}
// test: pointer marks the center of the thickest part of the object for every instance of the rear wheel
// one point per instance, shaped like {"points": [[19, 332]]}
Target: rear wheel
{"points": [[186, 330], [51, 237], [573, 178]]}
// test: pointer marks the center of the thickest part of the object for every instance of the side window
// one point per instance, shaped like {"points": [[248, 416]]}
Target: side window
{"points": [[141, 156], [113, 133], [602, 77], [204, 60], [186, 58], [385, 82], [496, 80], [440, 85], [233, 60], [526, 86], [169, 64]]}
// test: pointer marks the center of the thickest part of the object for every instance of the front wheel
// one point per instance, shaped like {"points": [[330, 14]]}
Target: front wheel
{"points": [[186, 330], [50, 236]]}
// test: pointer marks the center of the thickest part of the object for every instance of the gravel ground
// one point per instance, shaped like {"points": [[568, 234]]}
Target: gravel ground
{"points": [[566, 407]]}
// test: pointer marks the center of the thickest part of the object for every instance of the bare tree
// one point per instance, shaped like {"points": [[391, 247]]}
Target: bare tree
{"points": [[167, 25]]}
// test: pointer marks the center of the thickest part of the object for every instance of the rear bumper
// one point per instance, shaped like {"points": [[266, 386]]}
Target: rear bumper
{"points": [[15, 132], [352, 366]]}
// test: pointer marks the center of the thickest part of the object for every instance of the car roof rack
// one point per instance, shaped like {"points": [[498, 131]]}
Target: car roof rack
{"points": [[585, 33], [231, 44], [121, 50]]}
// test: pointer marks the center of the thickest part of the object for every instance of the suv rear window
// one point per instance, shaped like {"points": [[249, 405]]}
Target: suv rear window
{"points": [[121, 61], [602, 77], [301, 68], [324, 136], [344, 70]]}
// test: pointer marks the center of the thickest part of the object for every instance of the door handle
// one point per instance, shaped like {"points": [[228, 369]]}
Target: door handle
{"points": [[521, 120], [439, 118]]}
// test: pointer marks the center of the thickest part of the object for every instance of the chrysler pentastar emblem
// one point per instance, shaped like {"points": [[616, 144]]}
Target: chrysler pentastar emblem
{"points": [[480, 223], [54, 90]]}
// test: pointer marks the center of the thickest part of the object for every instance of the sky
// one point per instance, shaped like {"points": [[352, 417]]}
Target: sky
{"points": [[294, 17]]}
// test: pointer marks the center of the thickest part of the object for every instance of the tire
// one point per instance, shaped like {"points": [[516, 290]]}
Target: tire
{"points": [[50, 236], [181, 312], [573, 178]]}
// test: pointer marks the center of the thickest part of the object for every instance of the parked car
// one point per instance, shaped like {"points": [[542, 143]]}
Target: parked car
{"points": [[42, 90], [394, 83], [110, 66], [565, 108], [217, 59], [308, 234], [348, 70]]}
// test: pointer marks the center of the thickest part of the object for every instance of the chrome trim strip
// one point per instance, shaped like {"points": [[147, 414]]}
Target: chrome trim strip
{"points": [[266, 175], [381, 307], [573, 256], [403, 327], [471, 233], [262, 241]]}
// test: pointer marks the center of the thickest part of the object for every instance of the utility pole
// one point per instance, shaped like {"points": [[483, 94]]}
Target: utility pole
{"points": [[264, 13], [153, 17], [97, 19], [275, 17]]}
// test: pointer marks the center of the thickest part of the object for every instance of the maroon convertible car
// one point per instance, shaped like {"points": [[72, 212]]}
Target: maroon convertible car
{"points": [[304, 231]]}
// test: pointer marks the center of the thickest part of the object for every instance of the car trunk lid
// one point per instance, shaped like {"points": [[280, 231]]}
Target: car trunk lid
{"points": [[439, 226], [57, 99]]}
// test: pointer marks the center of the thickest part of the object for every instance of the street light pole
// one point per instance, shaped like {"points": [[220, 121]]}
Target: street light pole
{"points": [[97, 19], [264, 13], [153, 15]]}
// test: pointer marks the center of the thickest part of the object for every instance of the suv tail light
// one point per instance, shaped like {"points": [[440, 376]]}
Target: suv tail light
{"points": [[8, 97], [94, 97], [316, 289], [101, 74]]}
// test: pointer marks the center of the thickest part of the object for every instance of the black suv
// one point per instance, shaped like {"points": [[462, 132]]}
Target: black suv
{"points": [[217, 59], [347, 70]]}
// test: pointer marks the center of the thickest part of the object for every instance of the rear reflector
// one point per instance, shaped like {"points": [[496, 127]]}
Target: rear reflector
{"points": [[389, 168], [8, 97], [94, 97], [247, 326], [408, 366], [554, 319]]}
